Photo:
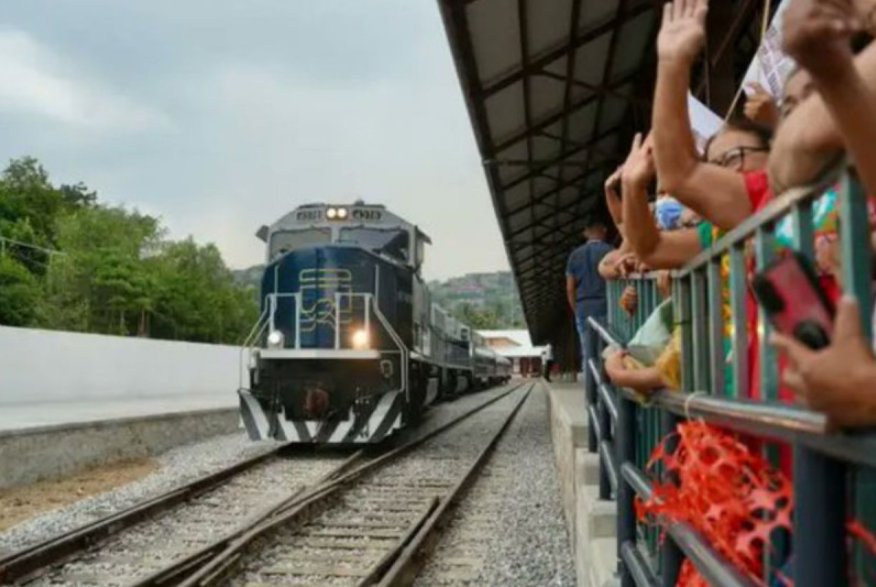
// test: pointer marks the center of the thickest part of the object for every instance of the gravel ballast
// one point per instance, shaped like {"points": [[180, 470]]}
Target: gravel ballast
{"points": [[176, 467], [509, 529], [182, 465]]}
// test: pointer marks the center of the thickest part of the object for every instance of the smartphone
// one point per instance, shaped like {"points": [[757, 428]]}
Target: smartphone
{"points": [[789, 292]]}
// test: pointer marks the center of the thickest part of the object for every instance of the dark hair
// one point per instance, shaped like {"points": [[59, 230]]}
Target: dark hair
{"points": [[860, 41], [763, 133], [595, 223]]}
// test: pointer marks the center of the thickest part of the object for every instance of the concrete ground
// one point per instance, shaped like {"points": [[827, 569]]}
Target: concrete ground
{"points": [[20, 415]]}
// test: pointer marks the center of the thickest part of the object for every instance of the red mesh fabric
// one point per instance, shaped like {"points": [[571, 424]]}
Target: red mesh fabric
{"points": [[731, 495], [719, 487]]}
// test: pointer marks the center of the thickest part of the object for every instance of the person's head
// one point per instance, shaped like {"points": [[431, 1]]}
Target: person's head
{"points": [[595, 230], [798, 84], [742, 145], [798, 87]]}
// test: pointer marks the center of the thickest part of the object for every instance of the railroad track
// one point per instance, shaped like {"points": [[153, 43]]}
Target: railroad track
{"points": [[147, 537], [367, 526], [164, 540]]}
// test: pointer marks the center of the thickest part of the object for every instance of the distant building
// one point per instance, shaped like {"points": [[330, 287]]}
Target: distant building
{"points": [[517, 347]]}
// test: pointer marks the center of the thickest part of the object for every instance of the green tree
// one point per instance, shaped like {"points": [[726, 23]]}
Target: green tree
{"points": [[198, 299], [19, 292], [103, 282], [477, 318]]}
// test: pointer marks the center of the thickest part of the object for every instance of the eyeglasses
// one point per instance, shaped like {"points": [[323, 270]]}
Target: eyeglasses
{"points": [[735, 158]]}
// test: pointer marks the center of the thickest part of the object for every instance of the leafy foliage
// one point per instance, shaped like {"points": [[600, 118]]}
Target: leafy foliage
{"points": [[485, 301], [69, 262]]}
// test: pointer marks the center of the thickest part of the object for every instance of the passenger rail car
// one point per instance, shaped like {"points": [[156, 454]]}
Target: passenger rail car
{"points": [[349, 347]]}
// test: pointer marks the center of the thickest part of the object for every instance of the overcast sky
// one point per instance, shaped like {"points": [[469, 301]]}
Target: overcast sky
{"points": [[222, 115]]}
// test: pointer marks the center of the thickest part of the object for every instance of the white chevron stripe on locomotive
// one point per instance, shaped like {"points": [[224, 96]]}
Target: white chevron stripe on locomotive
{"points": [[258, 424]]}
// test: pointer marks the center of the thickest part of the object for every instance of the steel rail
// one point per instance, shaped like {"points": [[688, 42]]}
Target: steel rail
{"points": [[58, 548], [410, 557], [214, 569]]}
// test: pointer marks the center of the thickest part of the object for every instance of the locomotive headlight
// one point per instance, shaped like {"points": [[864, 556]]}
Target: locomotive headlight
{"points": [[331, 213], [275, 339], [342, 213], [361, 339]]}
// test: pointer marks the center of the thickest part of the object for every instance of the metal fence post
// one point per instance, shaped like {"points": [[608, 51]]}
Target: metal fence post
{"points": [[603, 416], [592, 396], [857, 271], [670, 555], [625, 448], [819, 482]]}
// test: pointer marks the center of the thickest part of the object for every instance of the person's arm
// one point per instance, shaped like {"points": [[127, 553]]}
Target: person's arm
{"points": [[711, 191], [612, 199], [660, 250], [643, 380], [570, 292], [809, 139], [823, 49]]}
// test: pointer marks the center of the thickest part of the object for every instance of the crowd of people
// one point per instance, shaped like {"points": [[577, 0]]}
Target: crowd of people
{"points": [[826, 115]]}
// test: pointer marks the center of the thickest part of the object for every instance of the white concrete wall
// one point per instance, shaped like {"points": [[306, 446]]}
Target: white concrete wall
{"points": [[47, 366]]}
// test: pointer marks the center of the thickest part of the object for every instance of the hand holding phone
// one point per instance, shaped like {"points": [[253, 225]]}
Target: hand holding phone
{"points": [[789, 292]]}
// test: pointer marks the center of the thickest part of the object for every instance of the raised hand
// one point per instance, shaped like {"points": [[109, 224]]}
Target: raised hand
{"points": [[683, 31], [629, 300], [612, 195], [760, 106], [816, 34], [638, 170]]}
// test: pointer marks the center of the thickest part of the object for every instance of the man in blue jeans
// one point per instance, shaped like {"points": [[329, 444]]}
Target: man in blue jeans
{"points": [[585, 288]]}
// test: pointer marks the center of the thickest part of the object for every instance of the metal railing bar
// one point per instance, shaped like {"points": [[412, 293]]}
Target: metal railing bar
{"points": [[638, 567], [594, 423], [711, 565], [606, 452], [773, 421], [701, 343], [637, 480], [649, 275], [717, 571], [764, 249], [738, 294], [594, 369], [773, 211], [605, 333], [715, 306], [609, 400]]}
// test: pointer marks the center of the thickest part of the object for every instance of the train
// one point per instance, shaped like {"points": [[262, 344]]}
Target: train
{"points": [[349, 347]]}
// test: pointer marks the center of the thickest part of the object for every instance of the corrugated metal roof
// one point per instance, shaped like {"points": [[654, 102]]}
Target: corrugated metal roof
{"points": [[555, 90]]}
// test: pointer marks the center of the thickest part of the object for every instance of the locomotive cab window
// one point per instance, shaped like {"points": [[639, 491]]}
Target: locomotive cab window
{"points": [[392, 242], [283, 242]]}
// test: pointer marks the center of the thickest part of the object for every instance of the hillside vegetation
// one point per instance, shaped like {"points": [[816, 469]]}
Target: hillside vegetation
{"points": [[70, 262]]}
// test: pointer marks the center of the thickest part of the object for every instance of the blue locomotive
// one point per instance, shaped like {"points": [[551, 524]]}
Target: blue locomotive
{"points": [[349, 347]]}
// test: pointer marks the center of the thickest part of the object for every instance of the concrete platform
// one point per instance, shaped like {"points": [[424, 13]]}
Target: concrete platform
{"points": [[29, 454], [22, 415], [591, 521]]}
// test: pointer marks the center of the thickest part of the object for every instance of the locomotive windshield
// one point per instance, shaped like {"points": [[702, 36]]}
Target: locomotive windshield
{"points": [[392, 242], [283, 242]]}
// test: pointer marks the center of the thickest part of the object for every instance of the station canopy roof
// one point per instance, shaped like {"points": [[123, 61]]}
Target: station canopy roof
{"points": [[555, 89]]}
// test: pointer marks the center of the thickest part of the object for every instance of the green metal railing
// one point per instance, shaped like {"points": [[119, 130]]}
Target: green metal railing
{"points": [[833, 473]]}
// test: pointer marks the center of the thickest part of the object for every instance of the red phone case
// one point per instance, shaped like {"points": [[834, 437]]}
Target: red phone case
{"points": [[793, 299]]}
